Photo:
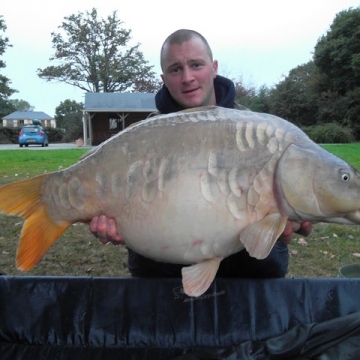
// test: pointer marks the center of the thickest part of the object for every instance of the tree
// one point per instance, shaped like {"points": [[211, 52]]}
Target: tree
{"points": [[260, 101], [68, 116], [150, 85], [337, 57], [5, 89], [295, 97], [94, 55], [337, 54], [21, 105], [250, 97], [243, 93]]}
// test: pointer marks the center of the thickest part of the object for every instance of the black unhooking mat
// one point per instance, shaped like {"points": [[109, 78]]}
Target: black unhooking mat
{"points": [[116, 318]]}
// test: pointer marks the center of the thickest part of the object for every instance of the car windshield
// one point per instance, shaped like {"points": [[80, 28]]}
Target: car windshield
{"points": [[30, 130]]}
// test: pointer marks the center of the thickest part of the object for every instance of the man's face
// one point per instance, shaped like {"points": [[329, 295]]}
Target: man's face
{"points": [[188, 73]]}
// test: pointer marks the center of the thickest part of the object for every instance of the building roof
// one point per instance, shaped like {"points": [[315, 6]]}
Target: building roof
{"points": [[28, 115], [129, 102]]}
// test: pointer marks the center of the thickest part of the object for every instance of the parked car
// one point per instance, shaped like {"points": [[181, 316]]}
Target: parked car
{"points": [[33, 135]]}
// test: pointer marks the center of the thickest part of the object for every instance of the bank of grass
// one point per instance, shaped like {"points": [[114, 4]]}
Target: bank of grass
{"points": [[348, 152], [79, 253], [21, 164]]}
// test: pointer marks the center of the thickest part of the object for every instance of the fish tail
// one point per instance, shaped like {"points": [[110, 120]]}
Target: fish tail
{"points": [[39, 231]]}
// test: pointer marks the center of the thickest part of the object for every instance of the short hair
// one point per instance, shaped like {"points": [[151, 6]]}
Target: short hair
{"points": [[181, 36]]}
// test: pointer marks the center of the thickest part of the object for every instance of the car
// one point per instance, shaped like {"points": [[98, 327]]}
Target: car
{"points": [[33, 135]]}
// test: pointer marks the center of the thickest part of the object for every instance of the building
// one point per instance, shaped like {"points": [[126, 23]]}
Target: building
{"points": [[105, 114], [18, 119]]}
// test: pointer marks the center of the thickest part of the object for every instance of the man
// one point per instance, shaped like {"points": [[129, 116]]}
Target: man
{"points": [[190, 80]]}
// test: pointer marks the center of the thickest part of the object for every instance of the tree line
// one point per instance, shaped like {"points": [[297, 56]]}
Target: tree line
{"points": [[94, 55], [325, 90]]}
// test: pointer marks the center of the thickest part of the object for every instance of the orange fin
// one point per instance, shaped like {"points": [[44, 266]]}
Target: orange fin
{"points": [[197, 278], [39, 232], [260, 237]]}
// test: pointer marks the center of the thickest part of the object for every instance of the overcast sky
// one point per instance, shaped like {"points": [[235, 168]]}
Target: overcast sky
{"points": [[256, 40]]}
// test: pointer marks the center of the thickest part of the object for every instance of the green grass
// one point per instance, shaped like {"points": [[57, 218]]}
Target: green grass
{"points": [[348, 152], [78, 252], [18, 165]]}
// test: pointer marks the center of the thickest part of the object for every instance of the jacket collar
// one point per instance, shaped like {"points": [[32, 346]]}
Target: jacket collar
{"points": [[224, 93]]}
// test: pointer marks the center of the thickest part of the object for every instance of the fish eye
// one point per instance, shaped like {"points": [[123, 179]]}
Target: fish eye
{"points": [[345, 176]]}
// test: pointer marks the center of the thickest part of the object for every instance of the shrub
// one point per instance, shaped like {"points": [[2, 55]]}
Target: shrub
{"points": [[330, 133], [9, 135], [54, 135]]}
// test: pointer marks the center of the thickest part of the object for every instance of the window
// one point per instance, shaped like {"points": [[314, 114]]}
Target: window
{"points": [[113, 124]]}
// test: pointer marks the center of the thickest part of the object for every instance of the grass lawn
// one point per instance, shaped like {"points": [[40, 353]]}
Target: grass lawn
{"points": [[78, 252], [18, 165]]}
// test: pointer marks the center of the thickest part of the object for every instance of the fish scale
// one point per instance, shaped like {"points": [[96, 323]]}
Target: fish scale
{"points": [[191, 188]]}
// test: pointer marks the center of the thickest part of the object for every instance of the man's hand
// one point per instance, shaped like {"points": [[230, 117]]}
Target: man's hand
{"points": [[302, 229], [105, 229]]}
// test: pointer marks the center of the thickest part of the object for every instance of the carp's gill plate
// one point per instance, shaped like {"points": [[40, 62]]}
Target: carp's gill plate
{"points": [[191, 188]]}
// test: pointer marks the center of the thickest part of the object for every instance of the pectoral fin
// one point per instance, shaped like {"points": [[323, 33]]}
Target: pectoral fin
{"points": [[260, 237], [197, 278]]}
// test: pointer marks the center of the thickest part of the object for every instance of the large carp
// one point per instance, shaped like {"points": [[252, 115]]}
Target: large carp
{"points": [[192, 188]]}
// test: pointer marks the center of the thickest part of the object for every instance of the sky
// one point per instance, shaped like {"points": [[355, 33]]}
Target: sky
{"points": [[257, 41]]}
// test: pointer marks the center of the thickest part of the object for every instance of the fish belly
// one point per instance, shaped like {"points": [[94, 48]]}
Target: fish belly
{"points": [[181, 225]]}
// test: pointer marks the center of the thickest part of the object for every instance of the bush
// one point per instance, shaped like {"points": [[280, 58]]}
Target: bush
{"points": [[330, 133], [54, 135], [9, 135]]}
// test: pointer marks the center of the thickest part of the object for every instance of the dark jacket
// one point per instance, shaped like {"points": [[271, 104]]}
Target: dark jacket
{"points": [[224, 93], [240, 264]]}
